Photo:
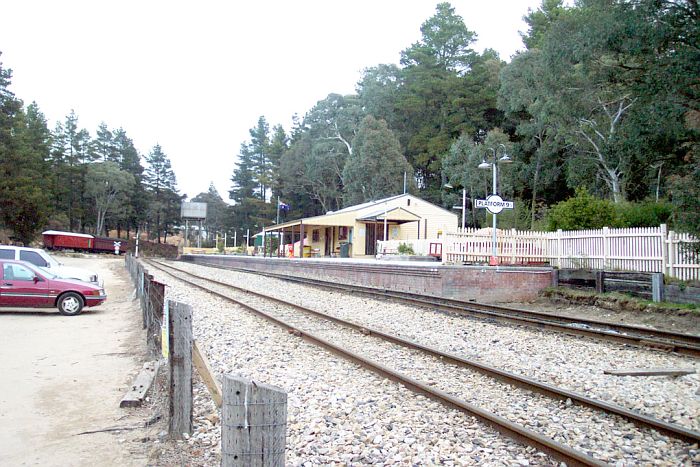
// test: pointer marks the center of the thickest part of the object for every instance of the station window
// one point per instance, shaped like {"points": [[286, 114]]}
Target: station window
{"points": [[315, 235]]}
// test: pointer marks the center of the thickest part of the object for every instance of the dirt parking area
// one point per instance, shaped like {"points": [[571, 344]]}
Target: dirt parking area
{"points": [[63, 376]]}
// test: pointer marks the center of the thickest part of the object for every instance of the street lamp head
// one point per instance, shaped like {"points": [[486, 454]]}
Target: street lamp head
{"points": [[485, 165], [505, 159], [447, 185]]}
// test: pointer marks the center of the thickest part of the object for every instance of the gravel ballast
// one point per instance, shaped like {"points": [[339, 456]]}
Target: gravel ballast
{"points": [[378, 424]]}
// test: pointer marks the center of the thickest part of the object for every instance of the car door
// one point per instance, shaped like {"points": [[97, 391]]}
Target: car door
{"points": [[18, 287]]}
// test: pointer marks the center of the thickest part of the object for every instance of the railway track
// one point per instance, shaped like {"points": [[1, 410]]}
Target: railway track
{"points": [[432, 362], [685, 344]]}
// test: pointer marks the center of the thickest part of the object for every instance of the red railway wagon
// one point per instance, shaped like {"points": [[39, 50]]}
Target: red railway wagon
{"points": [[109, 245], [57, 240]]}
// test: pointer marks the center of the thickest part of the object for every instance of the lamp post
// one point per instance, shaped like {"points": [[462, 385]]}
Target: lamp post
{"points": [[464, 203], [504, 159]]}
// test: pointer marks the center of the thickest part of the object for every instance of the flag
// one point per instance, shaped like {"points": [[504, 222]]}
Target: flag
{"points": [[283, 206]]}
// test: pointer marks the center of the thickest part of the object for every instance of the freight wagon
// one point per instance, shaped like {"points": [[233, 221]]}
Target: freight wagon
{"points": [[57, 240]]}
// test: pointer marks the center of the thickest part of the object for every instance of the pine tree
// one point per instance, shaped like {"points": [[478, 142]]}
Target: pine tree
{"points": [[23, 202], [162, 188], [260, 154], [133, 214]]}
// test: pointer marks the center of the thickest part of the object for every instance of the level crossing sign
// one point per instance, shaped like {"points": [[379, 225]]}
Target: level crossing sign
{"points": [[494, 204]]}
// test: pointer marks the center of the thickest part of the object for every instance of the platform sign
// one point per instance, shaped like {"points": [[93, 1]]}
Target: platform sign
{"points": [[494, 204]]}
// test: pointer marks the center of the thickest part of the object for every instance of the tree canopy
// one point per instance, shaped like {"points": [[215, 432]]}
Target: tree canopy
{"points": [[604, 98]]}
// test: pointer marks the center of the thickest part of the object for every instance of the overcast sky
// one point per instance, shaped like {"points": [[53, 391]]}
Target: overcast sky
{"points": [[195, 76]]}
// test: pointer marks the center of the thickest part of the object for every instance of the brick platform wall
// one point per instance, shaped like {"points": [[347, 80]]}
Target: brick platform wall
{"points": [[480, 283]]}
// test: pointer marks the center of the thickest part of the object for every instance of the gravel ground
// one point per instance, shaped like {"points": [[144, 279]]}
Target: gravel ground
{"points": [[351, 421]]}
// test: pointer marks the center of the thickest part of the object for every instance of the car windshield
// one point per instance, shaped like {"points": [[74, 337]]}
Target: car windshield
{"points": [[46, 273], [52, 261]]}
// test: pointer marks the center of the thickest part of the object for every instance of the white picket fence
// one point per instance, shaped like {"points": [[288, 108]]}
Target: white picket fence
{"points": [[646, 249], [391, 247]]}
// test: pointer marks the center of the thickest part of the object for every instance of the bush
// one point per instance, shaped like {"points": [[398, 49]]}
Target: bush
{"points": [[645, 213], [583, 211], [405, 249]]}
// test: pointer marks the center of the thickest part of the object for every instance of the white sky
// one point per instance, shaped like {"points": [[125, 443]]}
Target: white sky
{"points": [[195, 76]]}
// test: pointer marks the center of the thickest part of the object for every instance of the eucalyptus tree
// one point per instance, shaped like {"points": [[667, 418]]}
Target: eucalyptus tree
{"points": [[107, 191], [461, 169], [320, 145], [539, 22], [610, 80], [540, 143], [332, 125], [446, 89], [376, 167], [297, 188], [378, 92]]}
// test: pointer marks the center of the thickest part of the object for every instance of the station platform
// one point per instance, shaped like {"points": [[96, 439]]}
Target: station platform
{"points": [[486, 284]]}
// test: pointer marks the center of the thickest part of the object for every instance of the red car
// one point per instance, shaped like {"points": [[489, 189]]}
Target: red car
{"points": [[22, 285]]}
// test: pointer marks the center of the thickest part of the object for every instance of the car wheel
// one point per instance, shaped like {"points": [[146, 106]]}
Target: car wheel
{"points": [[70, 304]]}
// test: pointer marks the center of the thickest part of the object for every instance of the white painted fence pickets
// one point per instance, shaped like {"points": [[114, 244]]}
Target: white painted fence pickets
{"points": [[646, 249]]}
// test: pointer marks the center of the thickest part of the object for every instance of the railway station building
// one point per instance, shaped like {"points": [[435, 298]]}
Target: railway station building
{"points": [[354, 231]]}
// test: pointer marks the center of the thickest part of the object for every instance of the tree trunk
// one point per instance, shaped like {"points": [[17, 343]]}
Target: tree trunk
{"points": [[533, 205], [615, 186]]}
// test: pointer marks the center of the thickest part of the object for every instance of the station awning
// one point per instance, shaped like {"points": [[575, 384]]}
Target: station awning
{"points": [[397, 215], [342, 219]]}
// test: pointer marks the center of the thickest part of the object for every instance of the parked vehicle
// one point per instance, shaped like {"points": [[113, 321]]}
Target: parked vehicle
{"points": [[58, 240], [23, 285], [39, 257]]}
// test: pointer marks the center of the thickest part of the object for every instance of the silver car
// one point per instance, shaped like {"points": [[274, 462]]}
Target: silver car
{"points": [[41, 258]]}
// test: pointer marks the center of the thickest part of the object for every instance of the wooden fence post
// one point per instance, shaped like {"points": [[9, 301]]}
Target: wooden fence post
{"points": [[253, 424], [555, 277], [663, 233], [600, 282], [657, 286], [180, 357], [559, 248], [670, 248], [606, 247]]}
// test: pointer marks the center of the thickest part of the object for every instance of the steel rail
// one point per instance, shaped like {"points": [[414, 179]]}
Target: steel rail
{"points": [[643, 421], [512, 430], [686, 344]]}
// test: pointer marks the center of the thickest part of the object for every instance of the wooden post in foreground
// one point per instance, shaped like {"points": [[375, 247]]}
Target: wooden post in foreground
{"points": [[555, 277], [600, 282], [253, 424], [180, 340], [657, 286]]}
